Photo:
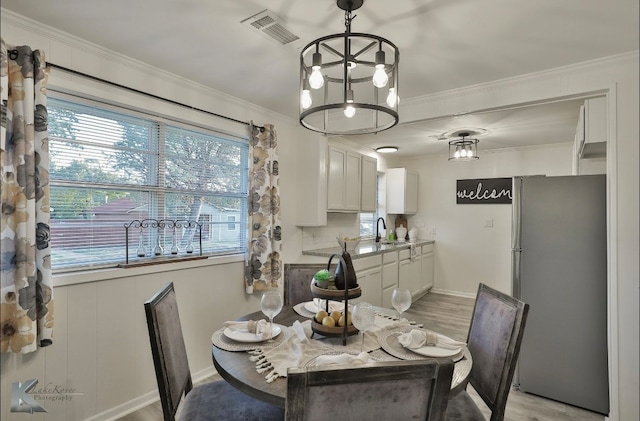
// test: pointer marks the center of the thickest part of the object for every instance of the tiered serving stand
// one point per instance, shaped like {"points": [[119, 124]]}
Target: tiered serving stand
{"points": [[335, 295]]}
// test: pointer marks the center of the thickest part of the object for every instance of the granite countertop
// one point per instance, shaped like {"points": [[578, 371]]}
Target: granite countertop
{"points": [[365, 249]]}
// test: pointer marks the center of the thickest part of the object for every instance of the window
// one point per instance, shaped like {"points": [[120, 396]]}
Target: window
{"points": [[231, 226], [368, 220], [112, 166]]}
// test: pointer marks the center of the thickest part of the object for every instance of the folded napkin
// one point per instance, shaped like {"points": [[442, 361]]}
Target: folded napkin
{"points": [[261, 328], [343, 358], [419, 338]]}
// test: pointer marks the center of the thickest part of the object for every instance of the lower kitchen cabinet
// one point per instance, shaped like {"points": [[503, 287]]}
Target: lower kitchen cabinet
{"points": [[369, 274], [428, 258], [389, 277], [409, 272]]}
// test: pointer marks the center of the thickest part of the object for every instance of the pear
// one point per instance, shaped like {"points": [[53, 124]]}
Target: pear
{"points": [[328, 321], [320, 315]]}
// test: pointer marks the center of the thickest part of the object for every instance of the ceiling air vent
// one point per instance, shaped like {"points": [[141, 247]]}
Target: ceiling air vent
{"points": [[269, 24]]}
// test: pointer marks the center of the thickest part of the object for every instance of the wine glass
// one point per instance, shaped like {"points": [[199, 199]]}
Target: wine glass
{"points": [[401, 300], [362, 317], [271, 305]]}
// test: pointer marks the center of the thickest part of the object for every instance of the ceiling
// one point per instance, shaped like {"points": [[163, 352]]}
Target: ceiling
{"points": [[444, 44]]}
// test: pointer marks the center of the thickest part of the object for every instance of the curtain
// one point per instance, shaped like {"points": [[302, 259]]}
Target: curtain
{"points": [[26, 285], [264, 266]]}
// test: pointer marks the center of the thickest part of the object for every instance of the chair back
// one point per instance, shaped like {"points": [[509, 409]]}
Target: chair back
{"points": [[495, 335], [168, 349], [397, 390], [297, 282]]}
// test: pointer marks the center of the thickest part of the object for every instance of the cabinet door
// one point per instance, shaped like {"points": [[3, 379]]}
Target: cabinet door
{"points": [[353, 181], [415, 282], [370, 282], [411, 193], [336, 179], [427, 270], [369, 184], [404, 274]]}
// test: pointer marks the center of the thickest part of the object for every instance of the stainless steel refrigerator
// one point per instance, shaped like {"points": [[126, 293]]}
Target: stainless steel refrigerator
{"points": [[559, 267]]}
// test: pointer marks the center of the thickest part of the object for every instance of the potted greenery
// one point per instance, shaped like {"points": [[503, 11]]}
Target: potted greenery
{"points": [[322, 278]]}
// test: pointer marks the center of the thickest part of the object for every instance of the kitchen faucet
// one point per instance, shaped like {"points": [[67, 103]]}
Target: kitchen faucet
{"points": [[377, 226]]}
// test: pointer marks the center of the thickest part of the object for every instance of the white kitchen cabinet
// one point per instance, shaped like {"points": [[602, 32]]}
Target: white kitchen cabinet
{"points": [[369, 274], [592, 128], [311, 184], [369, 184], [402, 191], [410, 272], [427, 263], [389, 277], [344, 180]]}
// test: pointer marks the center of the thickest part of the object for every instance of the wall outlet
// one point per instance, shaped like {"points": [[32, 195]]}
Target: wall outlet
{"points": [[488, 223], [433, 232]]}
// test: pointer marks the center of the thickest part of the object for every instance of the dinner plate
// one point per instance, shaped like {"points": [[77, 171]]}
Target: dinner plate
{"points": [[243, 335], [333, 306], [436, 352], [389, 342]]}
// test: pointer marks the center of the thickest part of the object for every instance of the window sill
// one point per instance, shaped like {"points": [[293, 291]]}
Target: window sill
{"points": [[99, 275]]}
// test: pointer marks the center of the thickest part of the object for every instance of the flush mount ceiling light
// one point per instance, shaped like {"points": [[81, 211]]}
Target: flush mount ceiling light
{"points": [[463, 149], [349, 81], [387, 149]]}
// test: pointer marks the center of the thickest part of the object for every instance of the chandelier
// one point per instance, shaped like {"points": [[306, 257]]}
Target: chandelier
{"points": [[463, 149], [349, 82]]}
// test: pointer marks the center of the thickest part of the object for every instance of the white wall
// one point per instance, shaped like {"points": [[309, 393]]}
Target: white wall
{"points": [[467, 252]]}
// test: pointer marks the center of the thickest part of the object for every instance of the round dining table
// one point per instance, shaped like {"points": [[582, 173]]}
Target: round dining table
{"points": [[237, 369]]}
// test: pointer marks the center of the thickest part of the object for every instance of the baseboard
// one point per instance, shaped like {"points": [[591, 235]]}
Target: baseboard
{"points": [[149, 398], [454, 293]]}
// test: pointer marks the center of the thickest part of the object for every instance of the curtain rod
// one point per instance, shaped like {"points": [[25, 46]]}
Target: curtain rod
{"points": [[75, 72]]}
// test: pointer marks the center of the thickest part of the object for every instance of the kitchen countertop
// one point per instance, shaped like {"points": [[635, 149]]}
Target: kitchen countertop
{"points": [[365, 249]]}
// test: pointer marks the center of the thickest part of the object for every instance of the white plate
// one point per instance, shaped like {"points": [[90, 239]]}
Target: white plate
{"points": [[333, 306], [243, 335], [436, 352]]}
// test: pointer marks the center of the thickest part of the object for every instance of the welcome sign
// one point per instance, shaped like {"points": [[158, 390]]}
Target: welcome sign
{"points": [[484, 191]]}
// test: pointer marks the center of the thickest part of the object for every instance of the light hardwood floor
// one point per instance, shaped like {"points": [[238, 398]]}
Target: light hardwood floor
{"points": [[452, 315]]}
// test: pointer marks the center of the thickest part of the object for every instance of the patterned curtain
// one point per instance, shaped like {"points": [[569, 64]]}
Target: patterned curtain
{"points": [[26, 319], [264, 267]]}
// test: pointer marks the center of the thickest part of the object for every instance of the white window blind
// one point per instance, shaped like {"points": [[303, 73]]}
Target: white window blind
{"points": [[110, 167]]}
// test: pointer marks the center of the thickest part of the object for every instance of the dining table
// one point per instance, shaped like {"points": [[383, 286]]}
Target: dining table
{"points": [[235, 364]]}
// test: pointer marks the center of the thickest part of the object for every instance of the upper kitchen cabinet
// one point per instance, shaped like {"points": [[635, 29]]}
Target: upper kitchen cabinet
{"points": [[591, 132], [369, 184], [402, 191], [344, 180], [311, 183]]}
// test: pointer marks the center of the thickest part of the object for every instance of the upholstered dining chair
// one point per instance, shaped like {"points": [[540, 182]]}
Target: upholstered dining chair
{"points": [[494, 339], [211, 401], [396, 390]]}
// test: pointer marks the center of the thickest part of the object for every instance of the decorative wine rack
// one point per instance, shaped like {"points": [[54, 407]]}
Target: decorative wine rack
{"points": [[159, 225]]}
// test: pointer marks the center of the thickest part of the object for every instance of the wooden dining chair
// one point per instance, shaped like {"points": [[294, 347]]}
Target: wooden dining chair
{"points": [[396, 390], [211, 401], [297, 281], [494, 339]]}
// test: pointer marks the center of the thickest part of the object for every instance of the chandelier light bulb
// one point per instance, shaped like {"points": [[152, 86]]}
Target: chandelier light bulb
{"points": [[457, 153], [463, 153], [349, 111], [392, 98], [305, 99], [380, 77], [470, 152], [316, 80]]}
